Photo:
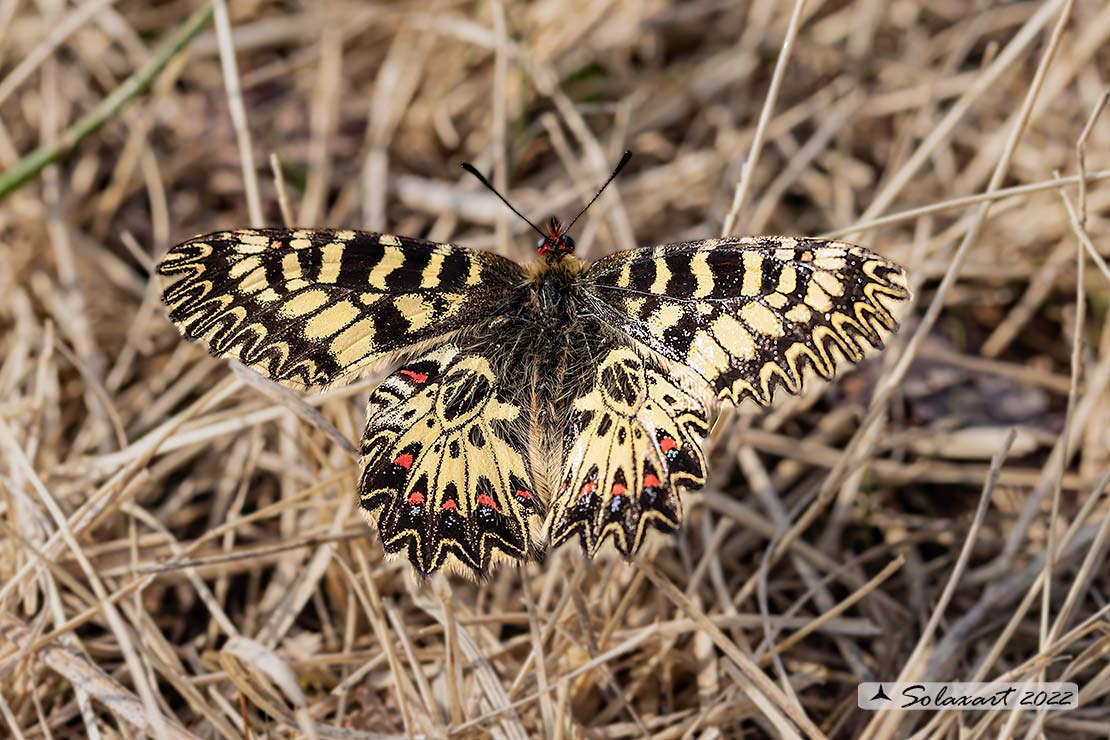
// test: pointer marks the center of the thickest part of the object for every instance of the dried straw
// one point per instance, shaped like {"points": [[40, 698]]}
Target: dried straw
{"points": [[180, 554]]}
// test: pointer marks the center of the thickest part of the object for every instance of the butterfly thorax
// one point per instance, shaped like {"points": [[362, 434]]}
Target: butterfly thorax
{"points": [[541, 332], [552, 288]]}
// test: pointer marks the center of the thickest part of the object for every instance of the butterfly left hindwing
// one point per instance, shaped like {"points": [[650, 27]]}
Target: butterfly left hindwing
{"points": [[632, 441], [444, 462]]}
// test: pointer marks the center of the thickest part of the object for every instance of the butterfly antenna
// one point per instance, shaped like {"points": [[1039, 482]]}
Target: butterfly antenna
{"points": [[616, 171], [482, 179]]}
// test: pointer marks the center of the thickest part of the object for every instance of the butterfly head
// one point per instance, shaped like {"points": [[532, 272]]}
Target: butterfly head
{"points": [[557, 241]]}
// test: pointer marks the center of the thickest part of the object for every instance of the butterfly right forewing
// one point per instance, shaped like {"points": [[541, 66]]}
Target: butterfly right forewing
{"points": [[749, 314]]}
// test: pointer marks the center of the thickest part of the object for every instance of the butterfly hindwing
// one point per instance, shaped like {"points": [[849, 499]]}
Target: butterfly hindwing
{"points": [[748, 314], [444, 462], [632, 440], [309, 307]]}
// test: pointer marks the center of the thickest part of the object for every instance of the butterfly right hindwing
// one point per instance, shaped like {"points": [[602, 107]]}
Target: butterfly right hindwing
{"points": [[632, 441]]}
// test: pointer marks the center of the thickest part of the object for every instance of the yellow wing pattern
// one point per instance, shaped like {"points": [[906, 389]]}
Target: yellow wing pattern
{"points": [[576, 396]]}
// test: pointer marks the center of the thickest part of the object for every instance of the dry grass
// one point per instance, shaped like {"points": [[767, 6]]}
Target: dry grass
{"points": [[179, 549]]}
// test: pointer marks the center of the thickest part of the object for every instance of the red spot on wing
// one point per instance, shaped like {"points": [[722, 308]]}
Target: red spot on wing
{"points": [[485, 500], [650, 481], [523, 494], [416, 498], [618, 489], [405, 460], [450, 505], [413, 375], [588, 488], [667, 444]]}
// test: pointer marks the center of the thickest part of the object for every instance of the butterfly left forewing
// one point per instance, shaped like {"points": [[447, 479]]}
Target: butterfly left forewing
{"points": [[445, 462], [309, 307], [632, 441], [751, 314]]}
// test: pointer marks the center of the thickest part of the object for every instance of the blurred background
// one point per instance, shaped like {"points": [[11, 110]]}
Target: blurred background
{"points": [[180, 549]]}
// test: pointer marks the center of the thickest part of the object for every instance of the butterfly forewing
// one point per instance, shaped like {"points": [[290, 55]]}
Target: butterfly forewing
{"points": [[310, 307], [748, 315], [444, 461]]}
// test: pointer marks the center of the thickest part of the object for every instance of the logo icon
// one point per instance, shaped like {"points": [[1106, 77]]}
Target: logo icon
{"points": [[880, 694]]}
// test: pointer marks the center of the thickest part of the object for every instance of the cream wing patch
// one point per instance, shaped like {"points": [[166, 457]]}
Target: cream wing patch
{"points": [[444, 470]]}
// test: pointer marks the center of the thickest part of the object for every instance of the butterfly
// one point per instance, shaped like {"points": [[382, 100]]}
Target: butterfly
{"points": [[531, 404]]}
